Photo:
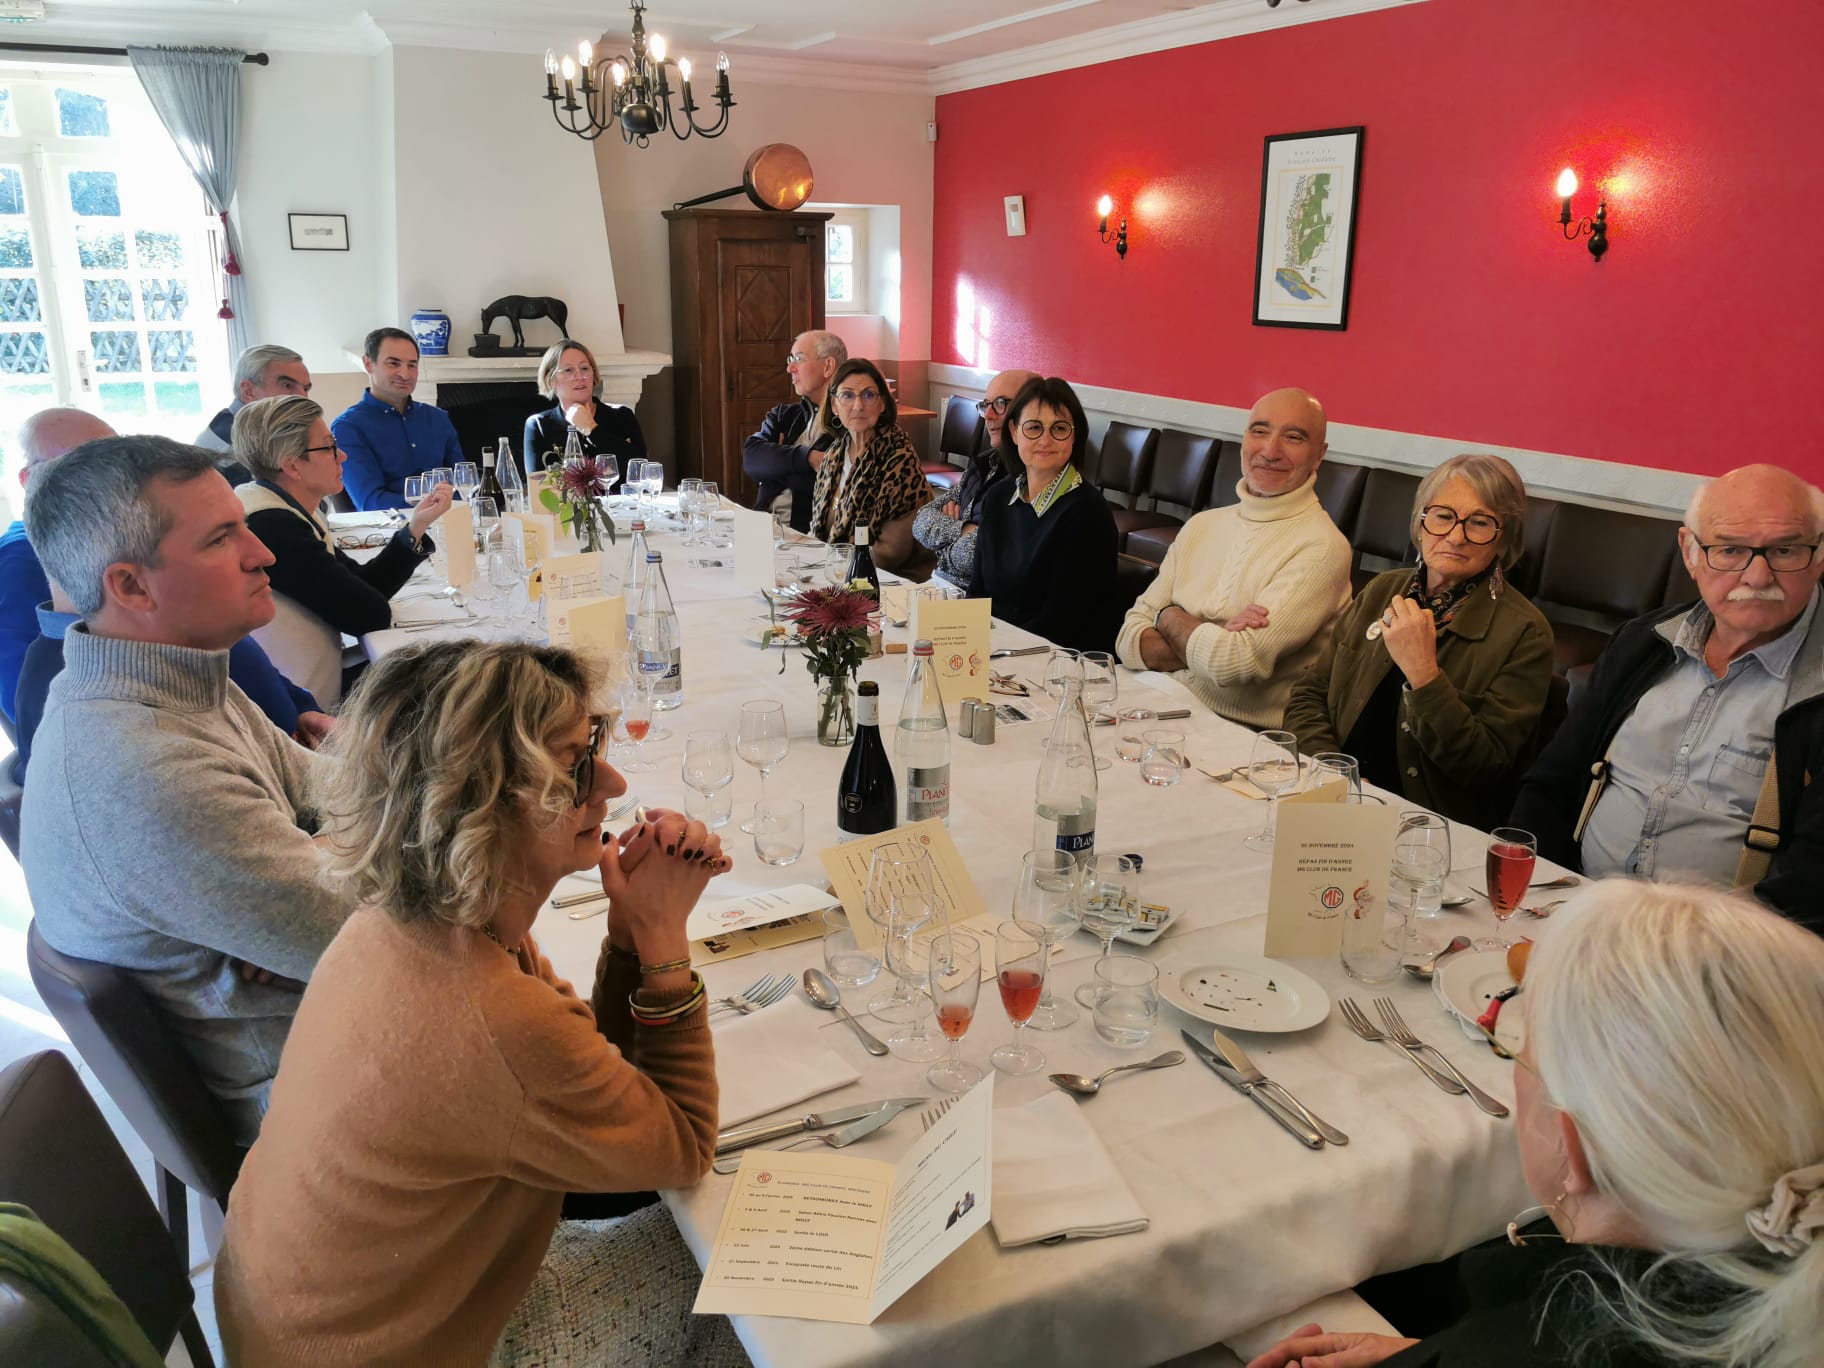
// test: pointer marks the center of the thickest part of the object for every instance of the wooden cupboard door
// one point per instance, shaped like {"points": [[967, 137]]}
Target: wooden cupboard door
{"points": [[764, 300]]}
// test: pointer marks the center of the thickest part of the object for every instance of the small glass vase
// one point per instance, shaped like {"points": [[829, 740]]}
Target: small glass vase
{"points": [[836, 710]]}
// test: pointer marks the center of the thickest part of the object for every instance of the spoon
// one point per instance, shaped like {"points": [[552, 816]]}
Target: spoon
{"points": [[821, 989], [1089, 1087], [1426, 969]]}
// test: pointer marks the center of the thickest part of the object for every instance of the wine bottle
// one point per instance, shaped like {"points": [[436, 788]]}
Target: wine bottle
{"points": [[866, 803], [490, 482], [1064, 803], [923, 740], [655, 601], [636, 572], [861, 562]]}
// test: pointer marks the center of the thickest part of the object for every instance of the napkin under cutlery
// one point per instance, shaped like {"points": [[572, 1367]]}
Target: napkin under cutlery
{"points": [[1053, 1178], [774, 1058]]}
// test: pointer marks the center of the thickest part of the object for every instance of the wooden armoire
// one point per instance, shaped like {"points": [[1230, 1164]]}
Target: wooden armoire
{"points": [[744, 283]]}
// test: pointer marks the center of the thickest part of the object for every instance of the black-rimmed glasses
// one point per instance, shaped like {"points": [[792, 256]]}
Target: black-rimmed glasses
{"points": [[1000, 405], [1784, 559], [1479, 529], [582, 775], [1032, 429], [308, 451]]}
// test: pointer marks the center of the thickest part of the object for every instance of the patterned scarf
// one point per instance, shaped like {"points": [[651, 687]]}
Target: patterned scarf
{"points": [[1444, 604], [887, 482], [1061, 484]]}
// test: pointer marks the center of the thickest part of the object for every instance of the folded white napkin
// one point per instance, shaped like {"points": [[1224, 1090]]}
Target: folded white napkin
{"points": [[773, 1058], [1052, 1177]]}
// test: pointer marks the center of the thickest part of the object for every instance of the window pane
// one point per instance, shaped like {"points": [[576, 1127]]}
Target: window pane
{"points": [[23, 353], [841, 244], [841, 285], [159, 249], [100, 249], [12, 189], [172, 350], [9, 126], [115, 352], [167, 299], [108, 300], [19, 300], [80, 115], [95, 194], [15, 249], [118, 398], [179, 396]]}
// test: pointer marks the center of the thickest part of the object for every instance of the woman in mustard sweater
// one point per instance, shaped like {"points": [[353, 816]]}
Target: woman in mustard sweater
{"points": [[441, 1089]]}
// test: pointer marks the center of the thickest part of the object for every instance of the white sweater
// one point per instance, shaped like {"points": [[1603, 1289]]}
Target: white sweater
{"points": [[1283, 553]]}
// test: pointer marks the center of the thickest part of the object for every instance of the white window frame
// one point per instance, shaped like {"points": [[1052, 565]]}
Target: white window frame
{"points": [[856, 221]]}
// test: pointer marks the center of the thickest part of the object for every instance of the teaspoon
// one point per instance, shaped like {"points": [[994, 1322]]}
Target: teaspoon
{"points": [[1089, 1087], [821, 989]]}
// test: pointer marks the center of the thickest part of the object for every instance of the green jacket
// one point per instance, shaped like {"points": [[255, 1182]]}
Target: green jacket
{"points": [[1465, 737]]}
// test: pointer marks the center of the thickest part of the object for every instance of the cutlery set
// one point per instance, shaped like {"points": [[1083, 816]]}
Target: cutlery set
{"points": [[1398, 1036], [1229, 1062]]}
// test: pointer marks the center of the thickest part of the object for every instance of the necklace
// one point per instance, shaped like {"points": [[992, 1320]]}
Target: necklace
{"points": [[487, 929]]}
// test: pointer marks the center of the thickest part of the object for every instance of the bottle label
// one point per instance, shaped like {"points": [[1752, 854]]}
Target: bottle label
{"points": [[927, 793], [867, 710], [1077, 842]]}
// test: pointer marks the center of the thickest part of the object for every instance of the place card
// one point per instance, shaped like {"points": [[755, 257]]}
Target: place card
{"points": [[1330, 861], [720, 916], [958, 632], [595, 627], [847, 866], [583, 574], [753, 548], [532, 535], [457, 527], [830, 1237]]}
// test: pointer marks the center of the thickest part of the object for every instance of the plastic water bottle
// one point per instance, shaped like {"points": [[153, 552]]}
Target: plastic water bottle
{"points": [[655, 605], [1064, 807], [635, 575], [922, 745]]}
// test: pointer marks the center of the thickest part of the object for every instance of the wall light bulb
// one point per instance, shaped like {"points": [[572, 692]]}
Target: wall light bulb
{"points": [[1567, 183], [722, 62], [1104, 207]]}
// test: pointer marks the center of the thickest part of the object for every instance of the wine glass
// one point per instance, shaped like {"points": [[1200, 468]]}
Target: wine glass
{"points": [[709, 766], [1049, 898], [1511, 855], [909, 956], [836, 563], [1273, 769], [687, 510], [1101, 686], [1421, 863], [503, 577], [467, 479], [636, 721], [954, 974], [487, 522], [438, 475], [631, 484], [414, 490], [1111, 904], [894, 868], [650, 646], [653, 479], [761, 741], [1019, 971], [609, 469], [1328, 766]]}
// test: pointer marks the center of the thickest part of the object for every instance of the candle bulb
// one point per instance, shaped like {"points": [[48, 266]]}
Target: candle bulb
{"points": [[569, 80], [684, 69], [1567, 186], [585, 54], [620, 74], [658, 47], [550, 62]]}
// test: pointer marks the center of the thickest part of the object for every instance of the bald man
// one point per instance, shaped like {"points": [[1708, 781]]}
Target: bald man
{"points": [[783, 457], [947, 526], [1690, 754], [1248, 593], [43, 437]]}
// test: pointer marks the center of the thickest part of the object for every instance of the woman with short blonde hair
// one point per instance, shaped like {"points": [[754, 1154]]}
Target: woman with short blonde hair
{"points": [[569, 377]]}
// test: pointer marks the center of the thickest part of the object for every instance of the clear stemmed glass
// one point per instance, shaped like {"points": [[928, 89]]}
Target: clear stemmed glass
{"points": [[1421, 864], [709, 765], [503, 578], [954, 974], [909, 956], [649, 647], [1101, 686], [1050, 898], [415, 490], [1509, 867], [487, 522], [467, 479], [632, 483], [687, 510], [636, 721], [1273, 769], [652, 478], [609, 469], [1020, 956], [900, 884], [762, 742], [1111, 904]]}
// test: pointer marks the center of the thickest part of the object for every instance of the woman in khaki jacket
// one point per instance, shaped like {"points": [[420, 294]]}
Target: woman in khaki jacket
{"points": [[1436, 676]]}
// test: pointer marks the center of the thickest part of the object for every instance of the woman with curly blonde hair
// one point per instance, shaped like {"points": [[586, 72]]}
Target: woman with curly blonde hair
{"points": [[442, 1090]]}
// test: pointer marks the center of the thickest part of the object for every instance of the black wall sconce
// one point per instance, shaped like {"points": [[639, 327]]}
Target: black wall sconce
{"points": [[1104, 207], [1597, 229]]}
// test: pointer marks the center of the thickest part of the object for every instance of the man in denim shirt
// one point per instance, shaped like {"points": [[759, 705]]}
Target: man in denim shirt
{"points": [[386, 434]]}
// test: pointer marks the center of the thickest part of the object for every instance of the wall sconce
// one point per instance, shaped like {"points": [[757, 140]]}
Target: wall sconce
{"points": [[1597, 228], [1104, 207]]}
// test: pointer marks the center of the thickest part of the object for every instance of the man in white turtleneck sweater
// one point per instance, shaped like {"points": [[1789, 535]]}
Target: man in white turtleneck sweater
{"points": [[1248, 593]]}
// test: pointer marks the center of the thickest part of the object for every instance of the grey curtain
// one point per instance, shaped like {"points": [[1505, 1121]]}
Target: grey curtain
{"points": [[197, 93]]}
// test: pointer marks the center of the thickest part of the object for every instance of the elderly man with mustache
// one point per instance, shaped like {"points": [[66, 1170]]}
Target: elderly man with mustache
{"points": [[1691, 754]]}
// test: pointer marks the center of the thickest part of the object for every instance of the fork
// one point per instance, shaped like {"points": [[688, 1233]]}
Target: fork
{"points": [[1359, 1023], [764, 993], [930, 1115], [728, 1163], [1403, 1036]]}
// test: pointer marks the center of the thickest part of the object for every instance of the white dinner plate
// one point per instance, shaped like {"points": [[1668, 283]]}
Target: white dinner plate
{"points": [[1468, 981], [1245, 992]]}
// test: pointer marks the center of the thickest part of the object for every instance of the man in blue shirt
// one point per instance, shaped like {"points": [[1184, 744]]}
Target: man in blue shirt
{"points": [[44, 436], [385, 434]]}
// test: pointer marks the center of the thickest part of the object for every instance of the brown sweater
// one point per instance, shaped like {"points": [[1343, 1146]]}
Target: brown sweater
{"points": [[436, 1099]]}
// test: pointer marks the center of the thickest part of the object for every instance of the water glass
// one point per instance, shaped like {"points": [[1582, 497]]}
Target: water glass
{"points": [[1111, 904], [847, 960], [1049, 898], [1130, 733], [779, 830], [836, 562], [1126, 1000], [487, 522], [788, 570], [1415, 892], [1273, 769], [1101, 686], [503, 578], [1367, 954], [1162, 764]]}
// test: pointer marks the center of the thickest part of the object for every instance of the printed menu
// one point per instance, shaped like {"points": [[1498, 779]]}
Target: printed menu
{"points": [[1330, 860], [823, 1236], [595, 626], [847, 866], [583, 574], [958, 632]]}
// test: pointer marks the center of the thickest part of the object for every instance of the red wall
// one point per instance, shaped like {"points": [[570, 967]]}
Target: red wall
{"points": [[1695, 345]]}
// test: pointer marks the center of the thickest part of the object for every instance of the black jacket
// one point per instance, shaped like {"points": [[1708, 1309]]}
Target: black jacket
{"points": [[1552, 795], [353, 597], [773, 459], [1053, 575], [617, 434]]}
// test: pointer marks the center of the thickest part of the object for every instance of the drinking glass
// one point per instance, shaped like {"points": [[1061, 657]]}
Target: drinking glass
{"points": [[779, 832], [414, 490], [1130, 733], [1111, 904], [1511, 854], [609, 470], [898, 868], [636, 720], [687, 510], [468, 479], [528, 566], [1020, 955], [1366, 954], [709, 767], [1125, 1005], [1421, 862], [652, 477], [836, 563], [762, 743], [1331, 765], [632, 483], [487, 522], [1101, 686], [1049, 898], [438, 475], [719, 535], [1163, 764], [1273, 769], [503, 578], [782, 527], [954, 974], [847, 961], [909, 956]]}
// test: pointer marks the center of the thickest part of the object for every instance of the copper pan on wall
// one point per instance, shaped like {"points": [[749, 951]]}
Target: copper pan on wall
{"points": [[777, 177]]}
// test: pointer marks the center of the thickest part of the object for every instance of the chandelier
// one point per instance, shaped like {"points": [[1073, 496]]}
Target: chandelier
{"points": [[629, 89]]}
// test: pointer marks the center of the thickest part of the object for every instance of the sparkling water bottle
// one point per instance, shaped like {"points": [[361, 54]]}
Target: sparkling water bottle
{"points": [[923, 741]]}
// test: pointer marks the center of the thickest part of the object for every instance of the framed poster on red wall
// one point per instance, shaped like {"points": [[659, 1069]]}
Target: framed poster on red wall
{"points": [[1308, 185]]}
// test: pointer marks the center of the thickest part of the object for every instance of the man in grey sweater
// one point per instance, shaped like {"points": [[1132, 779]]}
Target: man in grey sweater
{"points": [[166, 824]]}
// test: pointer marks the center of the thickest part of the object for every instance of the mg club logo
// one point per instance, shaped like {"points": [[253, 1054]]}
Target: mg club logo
{"points": [[1331, 897]]}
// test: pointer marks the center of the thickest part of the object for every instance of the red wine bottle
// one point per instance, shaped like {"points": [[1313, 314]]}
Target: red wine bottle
{"points": [[861, 563], [867, 802]]}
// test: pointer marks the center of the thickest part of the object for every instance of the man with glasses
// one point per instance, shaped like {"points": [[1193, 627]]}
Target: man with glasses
{"points": [[947, 527], [1690, 754], [784, 456], [386, 434]]}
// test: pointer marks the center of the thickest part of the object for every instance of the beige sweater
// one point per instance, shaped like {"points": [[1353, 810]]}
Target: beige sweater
{"points": [[1283, 553], [436, 1100]]}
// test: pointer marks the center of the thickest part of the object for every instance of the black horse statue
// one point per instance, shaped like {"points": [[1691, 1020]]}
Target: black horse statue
{"points": [[516, 309]]}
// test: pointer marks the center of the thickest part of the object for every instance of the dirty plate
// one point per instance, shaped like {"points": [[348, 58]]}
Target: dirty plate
{"points": [[1245, 992], [1467, 982]]}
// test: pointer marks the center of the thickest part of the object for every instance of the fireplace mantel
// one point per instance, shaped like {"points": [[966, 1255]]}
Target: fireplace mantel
{"points": [[623, 373]]}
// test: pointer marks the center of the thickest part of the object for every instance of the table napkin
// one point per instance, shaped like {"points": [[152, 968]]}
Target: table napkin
{"points": [[1053, 1178], [774, 1058]]}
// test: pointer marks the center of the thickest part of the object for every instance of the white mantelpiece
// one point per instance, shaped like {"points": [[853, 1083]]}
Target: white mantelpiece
{"points": [[623, 373]]}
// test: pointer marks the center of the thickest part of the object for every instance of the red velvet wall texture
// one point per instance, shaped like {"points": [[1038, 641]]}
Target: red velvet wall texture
{"points": [[1696, 344]]}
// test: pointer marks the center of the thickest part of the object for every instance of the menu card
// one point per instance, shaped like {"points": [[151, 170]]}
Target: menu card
{"points": [[958, 631], [583, 574], [753, 549], [594, 626], [719, 916], [458, 541], [823, 1236], [533, 534], [1329, 859], [847, 866]]}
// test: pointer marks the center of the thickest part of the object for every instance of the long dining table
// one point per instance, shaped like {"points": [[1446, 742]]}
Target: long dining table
{"points": [[1245, 1223]]}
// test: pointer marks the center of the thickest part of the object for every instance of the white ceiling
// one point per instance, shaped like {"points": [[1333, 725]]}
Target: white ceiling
{"points": [[941, 44]]}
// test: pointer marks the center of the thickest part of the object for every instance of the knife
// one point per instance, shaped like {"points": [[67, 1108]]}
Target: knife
{"points": [[1109, 719], [1271, 1105], [777, 1130], [1238, 1060], [848, 1135], [1008, 652]]}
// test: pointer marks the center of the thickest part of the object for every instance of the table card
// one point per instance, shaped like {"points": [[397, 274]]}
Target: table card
{"points": [[823, 1236], [595, 626], [847, 866], [533, 535], [583, 574], [958, 631], [719, 916], [1330, 861], [753, 548], [458, 542]]}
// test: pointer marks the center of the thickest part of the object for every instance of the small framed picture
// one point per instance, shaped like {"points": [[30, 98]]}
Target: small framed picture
{"points": [[1308, 185], [319, 232]]}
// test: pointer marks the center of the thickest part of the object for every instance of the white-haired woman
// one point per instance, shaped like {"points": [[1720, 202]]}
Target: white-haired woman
{"points": [[320, 591], [1436, 677], [442, 1089], [1670, 1117], [568, 376]]}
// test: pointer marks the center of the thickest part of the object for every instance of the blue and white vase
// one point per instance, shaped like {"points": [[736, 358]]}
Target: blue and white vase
{"points": [[431, 330]]}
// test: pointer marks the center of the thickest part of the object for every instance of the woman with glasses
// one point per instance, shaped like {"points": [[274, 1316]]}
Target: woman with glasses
{"points": [[1436, 677], [1045, 552], [320, 591], [442, 1090], [871, 475], [567, 375]]}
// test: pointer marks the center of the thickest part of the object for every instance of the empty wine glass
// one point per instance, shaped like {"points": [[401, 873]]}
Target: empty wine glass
{"points": [[487, 522], [414, 490], [709, 767], [503, 578], [1273, 769], [909, 956], [1111, 904], [895, 869], [954, 975], [467, 479], [631, 482], [687, 510], [1049, 897], [652, 478], [438, 475], [1330, 766], [1020, 956], [761, 741], [1101, 686]]}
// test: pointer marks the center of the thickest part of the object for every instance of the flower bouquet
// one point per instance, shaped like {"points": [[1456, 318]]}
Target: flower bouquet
{"points": [[581, 484], [833, 626]]}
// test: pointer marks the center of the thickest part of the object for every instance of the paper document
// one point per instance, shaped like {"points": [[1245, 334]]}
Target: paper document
{"points": [[582, 575], [958, 632], [1329, 860], [753, 549], [456, 534], [594, 627], [719, 916], [847, 866]]}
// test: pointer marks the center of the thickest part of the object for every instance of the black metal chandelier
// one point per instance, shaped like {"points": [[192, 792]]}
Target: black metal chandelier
{"points": [[629, 90]]}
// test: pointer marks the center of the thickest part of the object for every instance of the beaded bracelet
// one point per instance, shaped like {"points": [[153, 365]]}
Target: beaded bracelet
{"points": [[673, 1012], [670, 966]]}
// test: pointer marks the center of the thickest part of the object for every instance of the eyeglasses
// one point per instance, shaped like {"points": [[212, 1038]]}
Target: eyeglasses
{"points": [[583, 774], [1032, 429], [369, 541], [567, 371], [1000, 405], [867, 396], [796, 359], [1782, 560], [331, 447], [1479, 529]]}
